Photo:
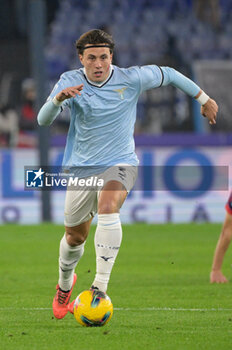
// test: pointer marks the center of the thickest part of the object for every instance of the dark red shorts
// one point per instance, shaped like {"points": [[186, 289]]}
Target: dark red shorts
{"points": [[229, 204]]}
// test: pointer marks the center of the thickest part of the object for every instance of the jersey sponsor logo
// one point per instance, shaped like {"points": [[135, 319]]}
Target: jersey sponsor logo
{"points": [[121, 92]]}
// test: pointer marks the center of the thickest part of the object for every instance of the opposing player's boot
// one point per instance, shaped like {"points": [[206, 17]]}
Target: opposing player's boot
{"points": [[60, 303]]}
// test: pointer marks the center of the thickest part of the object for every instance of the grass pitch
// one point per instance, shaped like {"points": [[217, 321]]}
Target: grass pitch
{"points": [[159, 287]]}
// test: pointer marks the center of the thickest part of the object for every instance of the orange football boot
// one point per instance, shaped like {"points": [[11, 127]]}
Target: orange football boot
{"points": [[60, 303]]}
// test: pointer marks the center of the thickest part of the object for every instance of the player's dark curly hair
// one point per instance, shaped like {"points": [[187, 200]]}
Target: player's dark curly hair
{"points": [[94, 36]]}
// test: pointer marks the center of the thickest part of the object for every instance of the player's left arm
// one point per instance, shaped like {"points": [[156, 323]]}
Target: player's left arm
{"points": [[209, 107]]}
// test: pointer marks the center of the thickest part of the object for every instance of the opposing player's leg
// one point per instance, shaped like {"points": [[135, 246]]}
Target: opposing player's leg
{"points": [[216, 275]]}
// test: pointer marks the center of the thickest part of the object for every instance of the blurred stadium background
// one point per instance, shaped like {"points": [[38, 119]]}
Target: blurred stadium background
{"points": [[193, 36]]}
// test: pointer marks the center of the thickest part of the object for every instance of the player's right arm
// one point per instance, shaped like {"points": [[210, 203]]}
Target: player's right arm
{"points": [[216, 275], [52, 108]]}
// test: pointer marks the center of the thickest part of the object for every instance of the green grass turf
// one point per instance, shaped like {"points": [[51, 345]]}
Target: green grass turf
{"points": [[158, 266]]}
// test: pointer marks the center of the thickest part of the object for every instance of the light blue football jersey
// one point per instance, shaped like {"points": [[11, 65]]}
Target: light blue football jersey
{"points": [[102, 118]]}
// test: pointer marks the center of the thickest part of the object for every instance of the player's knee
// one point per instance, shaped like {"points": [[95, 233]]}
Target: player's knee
{"points": [[75, 237], [108, 207]]}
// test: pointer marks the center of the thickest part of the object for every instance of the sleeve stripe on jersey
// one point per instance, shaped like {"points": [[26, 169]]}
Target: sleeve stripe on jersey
{"points": [[162, 74]]}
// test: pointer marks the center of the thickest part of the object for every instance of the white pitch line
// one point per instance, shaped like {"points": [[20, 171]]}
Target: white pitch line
{"points": [[169, 309], [26, 308], [122, 309]]}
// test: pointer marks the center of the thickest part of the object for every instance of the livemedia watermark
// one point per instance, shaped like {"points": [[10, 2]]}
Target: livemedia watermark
{"points": [[187, 180], [43, 179]]}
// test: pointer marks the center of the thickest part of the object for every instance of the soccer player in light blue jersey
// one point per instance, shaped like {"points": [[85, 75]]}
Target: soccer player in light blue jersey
{"points": [[102, 100]]}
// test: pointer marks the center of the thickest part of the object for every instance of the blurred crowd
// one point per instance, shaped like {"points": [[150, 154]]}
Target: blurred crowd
{"points": [[170, 32], [18, 123], [17, 90]]}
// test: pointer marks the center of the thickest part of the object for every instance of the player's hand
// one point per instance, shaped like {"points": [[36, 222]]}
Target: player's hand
{"points": [[209, 110], [216, 276], [69, 92]]}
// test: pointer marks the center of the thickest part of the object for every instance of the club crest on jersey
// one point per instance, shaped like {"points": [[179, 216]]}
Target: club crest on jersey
{"points": [[121, 92]]}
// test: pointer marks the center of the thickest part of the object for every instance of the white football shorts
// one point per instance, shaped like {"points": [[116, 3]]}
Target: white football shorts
{"points": [[82, 204]]}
